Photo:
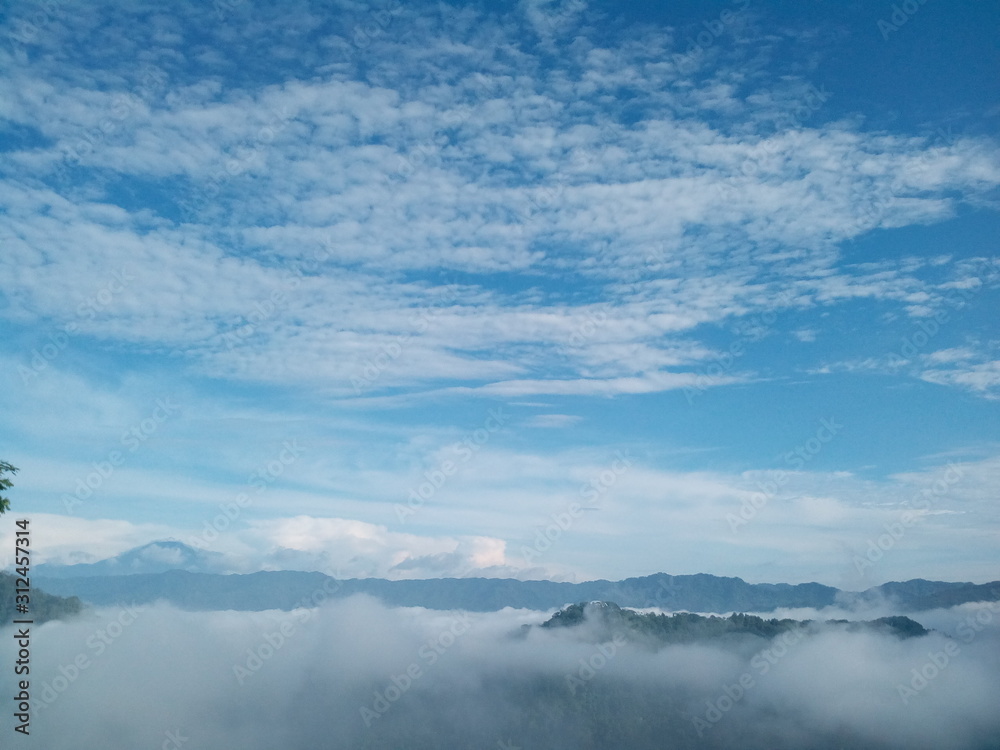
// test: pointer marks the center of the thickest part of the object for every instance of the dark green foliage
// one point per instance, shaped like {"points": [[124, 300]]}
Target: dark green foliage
{"points": [[904, 627], [684, 627], [5, 484], [43, 606]]}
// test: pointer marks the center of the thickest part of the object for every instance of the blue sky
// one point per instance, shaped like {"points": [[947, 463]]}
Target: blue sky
{"points": [[612, 288]]}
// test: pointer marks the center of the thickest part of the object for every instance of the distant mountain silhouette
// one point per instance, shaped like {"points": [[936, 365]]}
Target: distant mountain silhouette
{"points": [[155, 557], [145, 575]]}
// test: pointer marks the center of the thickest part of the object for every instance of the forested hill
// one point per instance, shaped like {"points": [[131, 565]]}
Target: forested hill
{"points": [[42, 606], [607, 620]]}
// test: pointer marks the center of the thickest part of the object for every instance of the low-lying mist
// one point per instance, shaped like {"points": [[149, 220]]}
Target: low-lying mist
{"points": [[356, 674]]}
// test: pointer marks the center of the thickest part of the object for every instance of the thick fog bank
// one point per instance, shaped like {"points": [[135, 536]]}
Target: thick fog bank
{"points": [[355, 674]]}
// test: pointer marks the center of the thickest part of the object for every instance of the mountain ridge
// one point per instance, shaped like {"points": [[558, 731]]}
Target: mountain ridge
{"points": [[695, 593]]}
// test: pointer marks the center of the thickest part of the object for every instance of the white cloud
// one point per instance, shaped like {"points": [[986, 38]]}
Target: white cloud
{"points": [[806, 335], [408, 176], [948, 356], [471, 680], [982, 378], [65, 540], [366, 234], [556, 421], [791, 526]]}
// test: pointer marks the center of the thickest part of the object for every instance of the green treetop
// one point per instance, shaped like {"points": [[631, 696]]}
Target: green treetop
{"points": [[5, 484]]}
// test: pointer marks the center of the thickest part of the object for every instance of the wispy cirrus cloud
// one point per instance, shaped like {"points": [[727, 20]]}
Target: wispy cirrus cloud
{"points": [[384, 223]]}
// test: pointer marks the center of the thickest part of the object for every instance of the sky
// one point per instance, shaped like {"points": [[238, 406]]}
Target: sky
{"points": [[563, 290]]}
